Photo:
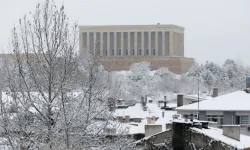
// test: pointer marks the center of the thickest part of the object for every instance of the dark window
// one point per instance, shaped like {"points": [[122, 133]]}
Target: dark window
{"points": [[112, 52], [126, 52], [140, 52], [133, 52], [237, 119]]}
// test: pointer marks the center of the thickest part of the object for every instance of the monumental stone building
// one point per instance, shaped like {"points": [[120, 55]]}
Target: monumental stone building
{"points": [[122, 45]]}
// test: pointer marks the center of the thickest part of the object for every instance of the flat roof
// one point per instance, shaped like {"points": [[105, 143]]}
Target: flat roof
{"points": [[129, 27]]}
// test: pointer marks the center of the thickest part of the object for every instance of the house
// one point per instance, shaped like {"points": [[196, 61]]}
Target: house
{"points": [[228, 109]]}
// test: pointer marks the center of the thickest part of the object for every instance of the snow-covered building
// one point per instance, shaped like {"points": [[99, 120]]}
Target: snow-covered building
{"points": [[228, 109]]}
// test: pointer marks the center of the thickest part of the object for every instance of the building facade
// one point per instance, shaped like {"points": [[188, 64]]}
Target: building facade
{"points": [[122, 45]]}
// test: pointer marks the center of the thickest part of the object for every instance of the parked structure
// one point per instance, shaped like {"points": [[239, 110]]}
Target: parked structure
{"points": [[123, 45]]}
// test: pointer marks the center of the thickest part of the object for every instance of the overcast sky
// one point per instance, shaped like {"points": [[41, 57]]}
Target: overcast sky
{"points": [[214, 29]]}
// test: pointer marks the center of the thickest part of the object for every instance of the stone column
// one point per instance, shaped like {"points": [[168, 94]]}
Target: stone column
{"points": [[108, 43], [87, 51], [156, 43], [135, 38], [95, 48], [129, 49], [115, 44], [163, 44], [101, 43], [149, 44], [142, 43], [122, 44], [171, 43], [81, 49]]}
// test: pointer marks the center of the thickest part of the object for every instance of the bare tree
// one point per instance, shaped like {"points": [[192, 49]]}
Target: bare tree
{"points": [[52, 98]]}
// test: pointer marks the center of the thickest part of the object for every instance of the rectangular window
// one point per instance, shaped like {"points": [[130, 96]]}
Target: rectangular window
{"points": [[242, 120], [214, 118]]}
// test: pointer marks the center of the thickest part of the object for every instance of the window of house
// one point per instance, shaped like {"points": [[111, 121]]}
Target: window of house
{"points": [[126, 52], [140, 53], [112, 52], [119, 52], [215, 118], [242, 120]]}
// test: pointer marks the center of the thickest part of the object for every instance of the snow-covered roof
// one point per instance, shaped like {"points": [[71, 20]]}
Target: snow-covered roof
{"points": [[195, 97], [217, 134], [236, 101], [136, 111]]}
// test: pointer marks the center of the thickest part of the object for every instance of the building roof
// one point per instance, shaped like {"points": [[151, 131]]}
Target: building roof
{"points": [[217, 134], [131, 26], [136, 111], [236, 101], [195, 97]]}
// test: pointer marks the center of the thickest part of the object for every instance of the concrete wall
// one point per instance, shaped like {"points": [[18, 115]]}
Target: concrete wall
{"points": [[200, 141], [152, 129], [177, 65], [229, 118], [161, 137], [232, 132]]}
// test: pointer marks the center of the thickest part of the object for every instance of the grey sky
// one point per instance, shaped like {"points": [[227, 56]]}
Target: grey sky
{"points": [[214, 29]]}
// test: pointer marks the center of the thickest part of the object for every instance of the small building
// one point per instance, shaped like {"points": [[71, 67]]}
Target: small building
{"points": [[228, 109]]}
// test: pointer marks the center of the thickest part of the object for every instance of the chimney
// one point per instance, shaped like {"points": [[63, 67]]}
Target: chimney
{"points": [[179, 100], [165, 101], [151, 120], [126, 119], [232, 131], [248, 82], [215, 92]]}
